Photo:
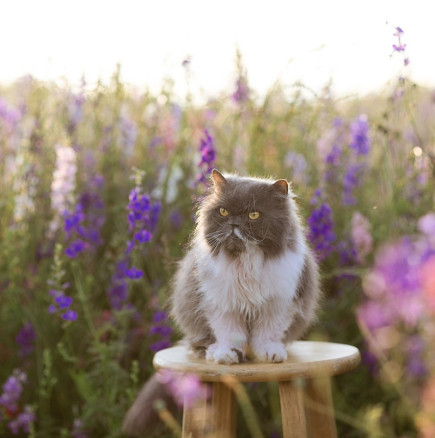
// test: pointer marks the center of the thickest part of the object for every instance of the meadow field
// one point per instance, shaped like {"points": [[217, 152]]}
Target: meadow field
{"points": [[98, 188]]}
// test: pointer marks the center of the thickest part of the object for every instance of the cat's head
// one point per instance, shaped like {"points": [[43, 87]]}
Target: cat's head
{"points": [[240, 212]]}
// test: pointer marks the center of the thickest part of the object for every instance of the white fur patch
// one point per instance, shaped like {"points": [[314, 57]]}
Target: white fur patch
{"points": [[241, 286]]}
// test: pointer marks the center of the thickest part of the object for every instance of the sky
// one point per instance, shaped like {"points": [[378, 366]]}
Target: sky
{"points": [[345, 42]]}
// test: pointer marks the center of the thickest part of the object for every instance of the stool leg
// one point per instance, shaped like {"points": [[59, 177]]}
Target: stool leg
{"points": [[292, 410], [320, 408], [195, 421], [223, 411]]}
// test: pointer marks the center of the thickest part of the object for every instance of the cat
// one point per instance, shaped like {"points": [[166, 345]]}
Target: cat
{"points": [[249, 282]]}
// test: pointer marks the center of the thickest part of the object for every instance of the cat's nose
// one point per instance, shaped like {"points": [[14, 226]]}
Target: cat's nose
{"points": [[234, 222]]}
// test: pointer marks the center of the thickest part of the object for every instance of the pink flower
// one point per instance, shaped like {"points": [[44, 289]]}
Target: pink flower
{"points": [[426, 224], [427, 276], [63, 184], [186, 389], [361, 236]]}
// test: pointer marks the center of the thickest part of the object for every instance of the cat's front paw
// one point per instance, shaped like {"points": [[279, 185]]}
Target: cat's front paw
{"points": [[224, 354], [270, 351]]}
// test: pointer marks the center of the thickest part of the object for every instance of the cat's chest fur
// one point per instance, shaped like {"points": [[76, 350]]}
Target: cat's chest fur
{"points": [[245, 284]]}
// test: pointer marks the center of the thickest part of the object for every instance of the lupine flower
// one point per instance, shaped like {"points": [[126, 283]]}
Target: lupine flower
{"points": [[396, 289], [399, 47], [241, 95], [19, 418], [360, 141], [161, 329], [347, 253], [142, 217], [63, 184], [208, 157], [26, 339], [352, 180], [22, 421], [75, 248], [415, 348], [169, 127], [426, 225], [83, 224], [361, 236], [9, 117], [298, 166], [321, 234], [332, 139], [186, 389], [128, 132], [61, 304], [12, 389], [75, 110]]}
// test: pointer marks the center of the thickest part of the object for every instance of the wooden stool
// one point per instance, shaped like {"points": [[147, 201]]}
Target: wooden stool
{"points": [[307, 409]]}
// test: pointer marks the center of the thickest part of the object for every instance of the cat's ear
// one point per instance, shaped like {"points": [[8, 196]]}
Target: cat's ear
{"points": [[281, 187], [218, 179]]}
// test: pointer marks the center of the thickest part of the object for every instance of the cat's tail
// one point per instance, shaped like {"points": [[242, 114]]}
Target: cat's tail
{"points": [[142, 417]]}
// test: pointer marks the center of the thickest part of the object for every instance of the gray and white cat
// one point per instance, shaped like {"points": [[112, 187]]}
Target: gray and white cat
{"points": [[248, 283]]}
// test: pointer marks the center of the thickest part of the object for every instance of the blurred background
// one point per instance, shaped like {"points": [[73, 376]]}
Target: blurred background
{"points": [[314, 42], [112, 116]]}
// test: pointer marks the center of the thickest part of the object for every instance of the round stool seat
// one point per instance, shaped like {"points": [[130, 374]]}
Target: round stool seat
{"points": [[307, 410], [306, 359]]}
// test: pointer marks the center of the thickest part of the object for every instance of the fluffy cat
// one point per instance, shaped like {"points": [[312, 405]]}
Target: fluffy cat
{"points": [[248, 283], [249, 278]]}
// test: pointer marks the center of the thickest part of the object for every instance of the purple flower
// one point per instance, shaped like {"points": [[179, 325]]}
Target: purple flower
{"points": [[415, 348], [128, 131], [143, 236], [133, 273], [75, 110], [12, 389], [298, 165], [321, 234], [161, 329], [176, 219], [359, 129], [75, 248], [241, 95], [426, 224], [69, 315], [159, 316], [208, 156], [26, 339], [399, 46], [161, 344], [9, 116], [85, 221], [23, 421], [118, 294], [63, 301], [352, 180]]}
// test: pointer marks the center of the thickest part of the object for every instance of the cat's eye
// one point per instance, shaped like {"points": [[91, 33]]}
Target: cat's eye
{"points": [[223, 211], [254, 215]]}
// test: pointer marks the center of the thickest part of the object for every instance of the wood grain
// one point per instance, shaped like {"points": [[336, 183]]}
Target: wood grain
{"points": [[319, 408], [292, 410], [306, 360]]}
